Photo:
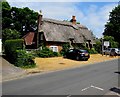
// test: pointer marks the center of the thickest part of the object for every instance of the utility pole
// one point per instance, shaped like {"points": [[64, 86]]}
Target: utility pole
{"points": [[102, 46]]}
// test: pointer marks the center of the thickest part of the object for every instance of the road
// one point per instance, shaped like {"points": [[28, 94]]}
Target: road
{"points": [[94, 79]]}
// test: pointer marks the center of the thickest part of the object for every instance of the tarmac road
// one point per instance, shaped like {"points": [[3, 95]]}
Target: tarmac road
{"points": [[96, 79]]}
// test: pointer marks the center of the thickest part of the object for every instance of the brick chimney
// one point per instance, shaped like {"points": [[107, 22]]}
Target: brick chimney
{"points": [[40, 21], [39, 27], [73, 20]]}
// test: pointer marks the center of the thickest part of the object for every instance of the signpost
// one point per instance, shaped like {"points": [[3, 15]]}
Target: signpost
{"points": [[106, 43]]}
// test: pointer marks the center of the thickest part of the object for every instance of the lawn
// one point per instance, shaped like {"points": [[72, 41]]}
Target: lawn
{"points": [[59, 63]]}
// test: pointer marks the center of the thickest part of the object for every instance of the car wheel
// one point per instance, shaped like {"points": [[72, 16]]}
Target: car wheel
{"points": [[77, 58]]}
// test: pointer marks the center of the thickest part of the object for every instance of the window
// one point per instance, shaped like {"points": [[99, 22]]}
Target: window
{"points": [[54, 48]]}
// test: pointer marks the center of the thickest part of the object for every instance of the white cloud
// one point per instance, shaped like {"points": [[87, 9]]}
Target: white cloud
{"points": [[94, 18], [97, 17]]}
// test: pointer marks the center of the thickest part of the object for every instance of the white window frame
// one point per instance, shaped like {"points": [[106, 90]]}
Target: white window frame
{"points": [[54, 48]]}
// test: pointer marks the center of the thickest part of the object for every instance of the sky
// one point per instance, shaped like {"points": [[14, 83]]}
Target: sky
{"points": [[91, 13]]}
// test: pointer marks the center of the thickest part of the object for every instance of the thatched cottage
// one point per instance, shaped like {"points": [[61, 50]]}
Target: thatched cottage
{"points": [[54, 33]]}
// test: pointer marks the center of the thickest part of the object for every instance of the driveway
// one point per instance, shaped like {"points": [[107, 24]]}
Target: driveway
{"points": [[9, 71]]}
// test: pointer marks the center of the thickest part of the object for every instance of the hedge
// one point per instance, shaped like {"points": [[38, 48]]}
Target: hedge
{"points": [[10, 48]]}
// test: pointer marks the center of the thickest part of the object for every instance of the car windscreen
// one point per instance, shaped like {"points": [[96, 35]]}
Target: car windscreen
{"points": [[84, 51]]}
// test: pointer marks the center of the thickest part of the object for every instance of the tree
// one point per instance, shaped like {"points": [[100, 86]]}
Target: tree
{"points": [[6, 16], [98, 45], [21, 19], [112, 28], [24, 19], [10, 34]]}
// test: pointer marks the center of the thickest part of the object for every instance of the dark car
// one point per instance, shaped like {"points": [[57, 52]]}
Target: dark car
{"points": [[77, 54]]}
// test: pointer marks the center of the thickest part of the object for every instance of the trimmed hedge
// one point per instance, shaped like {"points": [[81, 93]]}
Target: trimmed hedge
{"points": [[10, 49]]}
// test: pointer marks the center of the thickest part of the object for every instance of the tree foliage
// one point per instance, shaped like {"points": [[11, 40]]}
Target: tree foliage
{"points": [[112, 28], [113, 43], [10, 34], [98, 46], [21, 19], [6, 17]]}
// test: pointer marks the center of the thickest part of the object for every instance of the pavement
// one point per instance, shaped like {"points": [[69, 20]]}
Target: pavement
{"points": [[96, 79], [9, 71]]}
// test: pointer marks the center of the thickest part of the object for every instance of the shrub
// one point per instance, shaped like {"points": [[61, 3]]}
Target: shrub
{"points": [[10, 48], [46, 52], [91, 51], [98, 46], [24, 59], [65, 48]]}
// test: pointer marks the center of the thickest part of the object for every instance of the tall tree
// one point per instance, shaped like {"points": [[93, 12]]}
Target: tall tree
{"points": [[6, 15], [24, 19], [111, 39], [21, 19], [112, 28]]}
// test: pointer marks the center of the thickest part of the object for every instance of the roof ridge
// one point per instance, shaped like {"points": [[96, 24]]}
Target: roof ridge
{"points": [[66, 23]]}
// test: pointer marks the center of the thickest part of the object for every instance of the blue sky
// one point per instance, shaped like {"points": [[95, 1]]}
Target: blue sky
{"points": [[94, 15]]}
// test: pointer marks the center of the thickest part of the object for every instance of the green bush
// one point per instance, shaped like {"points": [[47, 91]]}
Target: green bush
{"points": [[65, 48], [91, 51], [10, 48], [24, 59], [46, 52]]}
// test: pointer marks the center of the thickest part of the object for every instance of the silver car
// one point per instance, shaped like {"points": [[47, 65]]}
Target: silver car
{"points": [[108, 51]]}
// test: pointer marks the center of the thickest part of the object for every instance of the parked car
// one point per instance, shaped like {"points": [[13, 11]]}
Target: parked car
{"points": [[77, 54], [118, 51], [107, 51], [111, 50]]}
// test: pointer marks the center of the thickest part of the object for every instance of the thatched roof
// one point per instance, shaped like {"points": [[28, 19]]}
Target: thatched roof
{"points": [[62, 31]]}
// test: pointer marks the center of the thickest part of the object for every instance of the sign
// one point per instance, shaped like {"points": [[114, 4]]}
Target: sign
{"points": [[106, 43]]}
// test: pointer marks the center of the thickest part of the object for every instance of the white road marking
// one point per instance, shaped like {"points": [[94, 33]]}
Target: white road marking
{"points": [[92, 87], [97, 88], [85, 89], [68, 95]]}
